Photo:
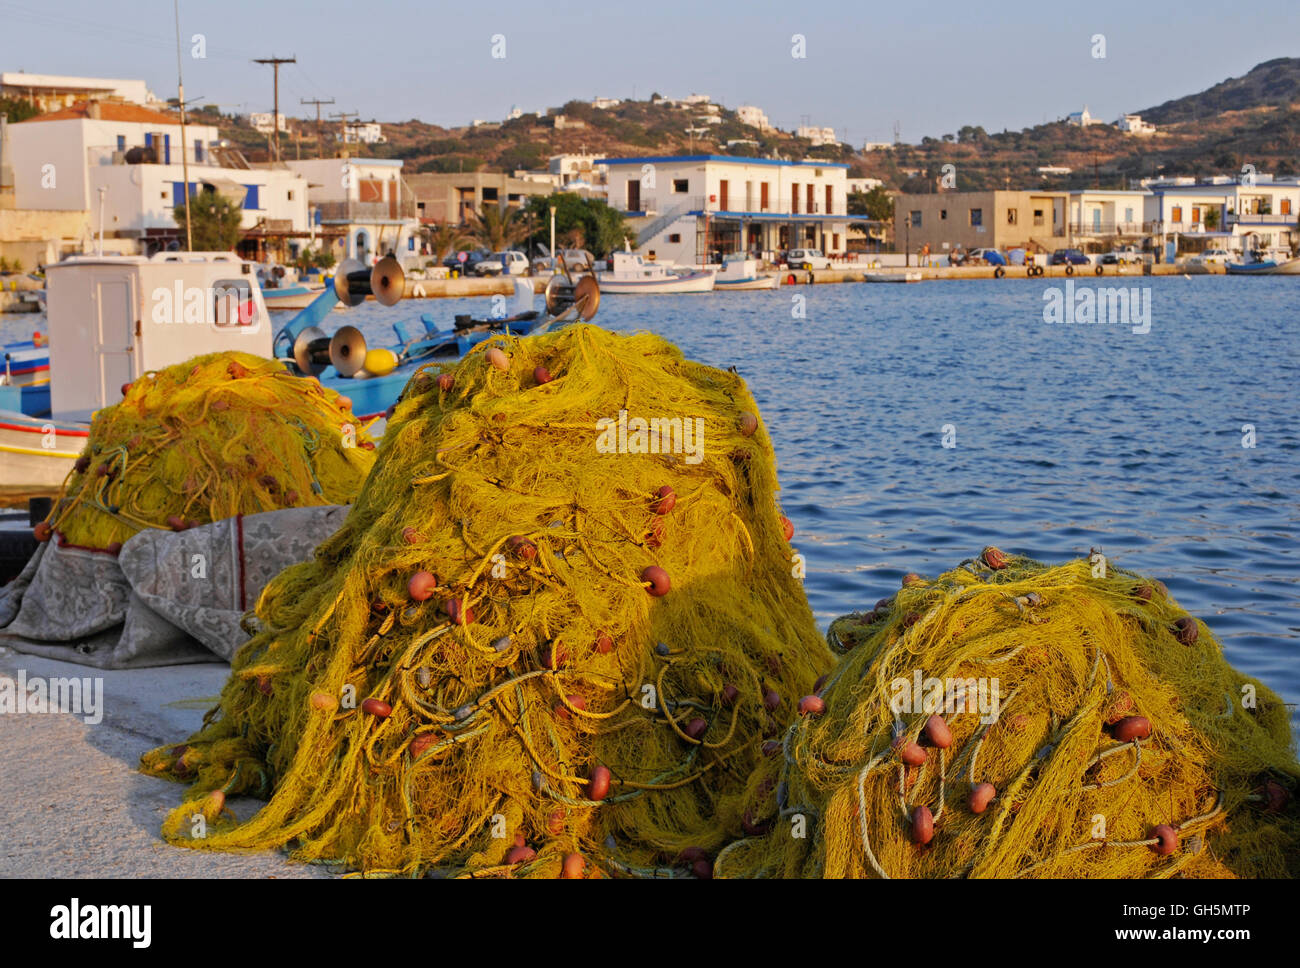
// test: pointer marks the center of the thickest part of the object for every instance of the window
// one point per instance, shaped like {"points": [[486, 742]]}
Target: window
{"points": [[234, 304], [762, 196], [1011, 216], [681, 186], [943, 215], [915, 218], [490, 195], [198, 151], [977, 217], [1128, 214], [121, 142], [1286, 206], [291, 194], [675, 238], [1177, 214], [1038, 216]]}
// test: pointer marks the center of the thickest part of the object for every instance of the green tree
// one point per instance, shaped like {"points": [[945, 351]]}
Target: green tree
{"points": [[442, 238], [17, 110], [875, 204], [497, 227], [601, 227], [214, 222]]}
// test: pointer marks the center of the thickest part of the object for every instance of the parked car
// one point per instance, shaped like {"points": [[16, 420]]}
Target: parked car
{"points": [[807, 259], [510, 262], [1123, 256], [1218, 257], [475, 257], [991, 257], [1073, 257]]}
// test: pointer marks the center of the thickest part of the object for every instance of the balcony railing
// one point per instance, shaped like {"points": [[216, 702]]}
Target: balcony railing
{"points": [[353, 211], [151, 154], [739, 203], [1108, 227]]}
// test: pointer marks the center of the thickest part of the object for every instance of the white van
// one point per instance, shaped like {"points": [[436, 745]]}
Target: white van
{"points": [[807, 259], [512, 262]]}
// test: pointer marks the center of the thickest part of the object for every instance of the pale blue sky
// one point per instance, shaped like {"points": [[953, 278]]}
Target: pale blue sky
{"points": [[931, 66]]}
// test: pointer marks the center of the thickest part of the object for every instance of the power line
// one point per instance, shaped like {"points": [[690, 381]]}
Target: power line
{"points": [[320, 138], [275, 63]]}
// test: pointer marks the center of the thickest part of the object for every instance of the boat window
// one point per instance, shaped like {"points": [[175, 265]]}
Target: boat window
{"points": [[233, 303]]}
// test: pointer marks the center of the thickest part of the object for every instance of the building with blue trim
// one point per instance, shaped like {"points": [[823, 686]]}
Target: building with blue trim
{"points": [[696, 209]]}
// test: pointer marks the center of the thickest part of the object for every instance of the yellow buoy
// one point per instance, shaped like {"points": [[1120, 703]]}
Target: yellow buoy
{"points": [[380, 361]]}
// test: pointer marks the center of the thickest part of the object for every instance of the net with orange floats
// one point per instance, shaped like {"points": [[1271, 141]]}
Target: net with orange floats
{"points": [[562, 617], [1010, 719], [216, 436]]}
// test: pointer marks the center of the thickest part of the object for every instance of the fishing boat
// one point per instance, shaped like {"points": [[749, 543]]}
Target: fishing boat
{"points": [[1265, 267], [739, 272], [907, 275], [295, 296], [632, 274], [153, 312]]}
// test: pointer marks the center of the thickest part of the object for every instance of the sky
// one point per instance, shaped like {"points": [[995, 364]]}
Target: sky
{"points": [[929, 67]]}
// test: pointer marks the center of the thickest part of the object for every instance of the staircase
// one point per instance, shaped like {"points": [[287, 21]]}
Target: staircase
{"points": [[665, 220]]}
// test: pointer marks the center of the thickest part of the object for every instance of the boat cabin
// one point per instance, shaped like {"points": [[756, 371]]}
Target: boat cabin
{"points": [[113, 318]]}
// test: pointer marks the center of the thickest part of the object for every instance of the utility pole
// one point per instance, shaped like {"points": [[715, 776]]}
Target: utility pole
{"points": [[320, 139], [275, 63], [185, 162], [343, 127]]}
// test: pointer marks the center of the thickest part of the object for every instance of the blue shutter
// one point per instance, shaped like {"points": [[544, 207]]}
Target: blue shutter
{"points": [[121, 142], [198, 151], [167, 149], [250, 199], [148, 139]]}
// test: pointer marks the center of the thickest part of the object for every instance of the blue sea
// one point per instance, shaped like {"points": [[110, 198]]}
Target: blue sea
{"points": [[1062, 437]]}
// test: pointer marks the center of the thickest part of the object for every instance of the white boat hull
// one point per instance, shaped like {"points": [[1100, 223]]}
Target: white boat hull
{"points": [[685, 282], [912, 276], [36, 455], [758, 282], [299, 297], [1289, 268]]}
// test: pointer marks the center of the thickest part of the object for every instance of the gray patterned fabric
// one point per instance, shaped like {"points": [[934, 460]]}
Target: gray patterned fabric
{"points": [[168, 598]]}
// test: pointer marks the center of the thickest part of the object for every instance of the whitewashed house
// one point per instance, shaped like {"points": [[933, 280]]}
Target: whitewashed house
{"points": [[366, 204], [754, 117], [693, 209], [264, 122], [51, 92], [1133, 124], [1240, 214], [1082, 119], [121, 165]]}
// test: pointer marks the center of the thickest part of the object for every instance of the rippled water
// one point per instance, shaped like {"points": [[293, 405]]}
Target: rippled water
{"points": [[1068, 437]]}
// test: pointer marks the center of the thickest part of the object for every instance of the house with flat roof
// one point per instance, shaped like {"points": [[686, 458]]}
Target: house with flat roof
{"points": [[1241, 214], [120, 164], [1097, 214], [985, 219], [693, 209], [455, 196], [365, 204], [51, 92]]}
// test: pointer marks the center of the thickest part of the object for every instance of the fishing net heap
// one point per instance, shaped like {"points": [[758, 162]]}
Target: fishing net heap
{"points": [[522, 656], [216, 436], [1124, 744]]}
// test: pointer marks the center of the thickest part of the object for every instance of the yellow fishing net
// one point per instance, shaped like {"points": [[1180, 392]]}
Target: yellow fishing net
{"points": [[558, 623], [1010, 719], [216, 436]]}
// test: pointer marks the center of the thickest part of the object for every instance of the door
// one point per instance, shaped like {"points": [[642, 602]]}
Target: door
{"points": [[633, 195], [114, 335], [830, 196], [722, 196], [812, 202], [794, 199], [762, 197]]}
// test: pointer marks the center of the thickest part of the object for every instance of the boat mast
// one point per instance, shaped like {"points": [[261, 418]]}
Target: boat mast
{"points": [[185, 162]]}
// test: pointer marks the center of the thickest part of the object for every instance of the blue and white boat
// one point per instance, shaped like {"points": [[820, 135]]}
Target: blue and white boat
{"points": [[1264, 267], [738, 272]]}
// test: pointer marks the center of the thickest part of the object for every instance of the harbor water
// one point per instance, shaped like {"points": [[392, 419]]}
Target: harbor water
{"points": [[915, 424]]}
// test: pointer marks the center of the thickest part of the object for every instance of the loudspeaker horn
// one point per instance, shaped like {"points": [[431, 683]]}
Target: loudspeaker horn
{"points": [[347, 350], [353, 282], [311, 351]]}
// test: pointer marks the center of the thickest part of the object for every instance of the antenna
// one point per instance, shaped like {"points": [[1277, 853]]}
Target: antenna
{"points": [[320, 138], [275, 63], [898, 132], [185, 162]]}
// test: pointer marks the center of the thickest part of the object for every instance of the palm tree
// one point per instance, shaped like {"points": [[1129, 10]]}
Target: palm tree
{"points": [[442, 238], [497, 228]]}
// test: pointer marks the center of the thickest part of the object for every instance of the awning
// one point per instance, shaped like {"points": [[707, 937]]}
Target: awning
{"points": [[226, 188]]}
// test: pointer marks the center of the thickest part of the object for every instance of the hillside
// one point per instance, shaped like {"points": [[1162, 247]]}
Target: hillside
{"points": [[1253, 119]]}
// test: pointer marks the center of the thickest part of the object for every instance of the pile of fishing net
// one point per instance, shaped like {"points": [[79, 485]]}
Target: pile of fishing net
{"points": [[547, 640], [216, 436], [1010, 719]]}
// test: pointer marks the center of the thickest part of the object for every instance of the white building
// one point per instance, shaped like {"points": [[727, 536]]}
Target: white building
{"points": [[605, 103], [818, 136], [51, 92], [264, 122], [366, 204], [363, 133], [1082, 119], [578, 167], [690, 209], [64, 160], [1097, 213], [877, 146], [1053, 170], [1133, 124], [754, 117], [1240, 215], [862, 185]]}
